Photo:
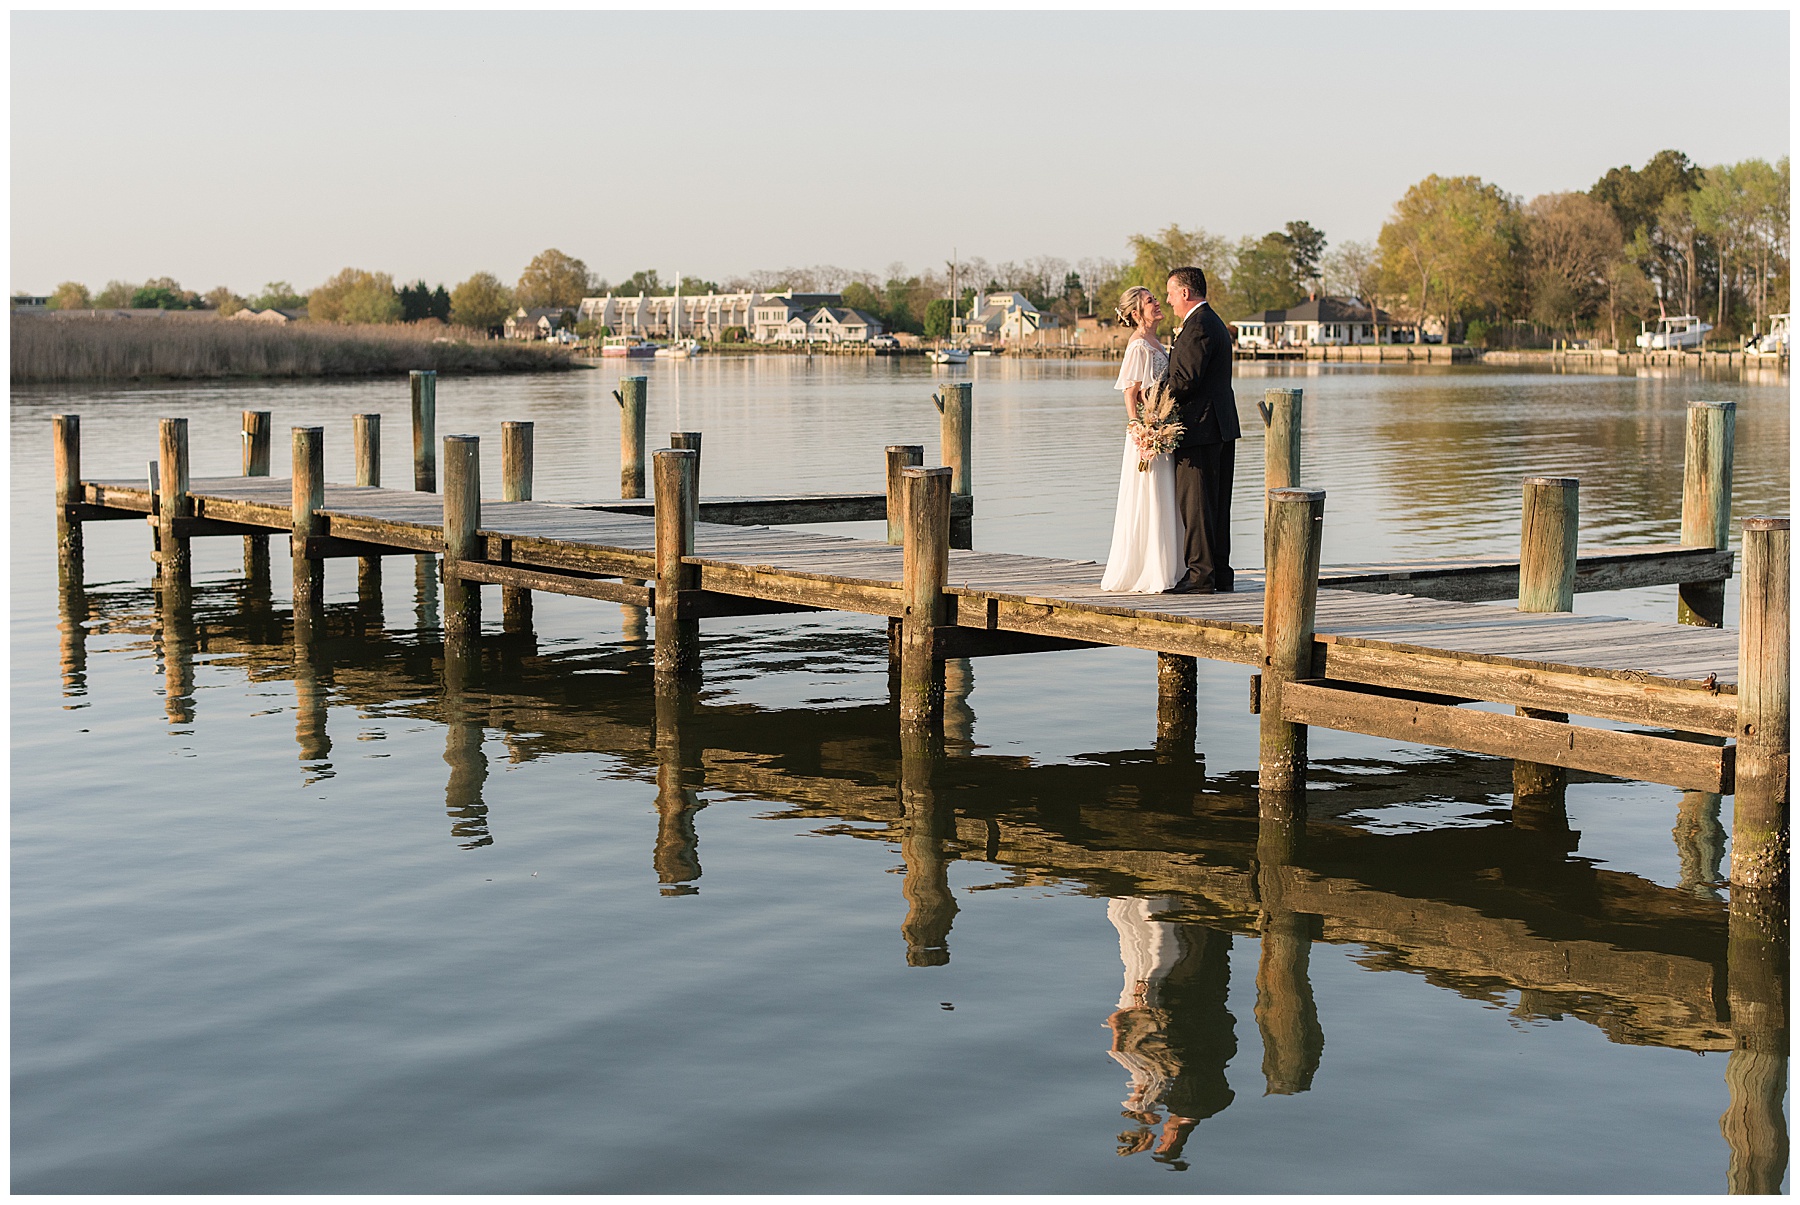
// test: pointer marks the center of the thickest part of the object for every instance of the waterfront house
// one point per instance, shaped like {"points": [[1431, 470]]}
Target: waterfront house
{"points": [[1006, 318], [703, 315], [840, 324], [1322, 321], [540, 322]]}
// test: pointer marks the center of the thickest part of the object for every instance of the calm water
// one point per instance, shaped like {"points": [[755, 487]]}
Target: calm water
{"points": [[297, 918]]}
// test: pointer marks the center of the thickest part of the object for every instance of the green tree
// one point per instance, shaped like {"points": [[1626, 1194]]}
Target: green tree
{"points": [[278, 295], [1263, 277], [354, 296], [481, 302], [552, 279], [1651, 207], [1306, 250], [163, 293], [1354, 270], [419, 302], [1571, 245], [1154, 257], [1451, 247], [937, 318], [115, 296], [71, 295], [644, 282], [223, 300]]}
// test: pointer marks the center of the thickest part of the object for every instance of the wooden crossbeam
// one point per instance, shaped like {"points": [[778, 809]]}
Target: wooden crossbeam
{"points": [[1684, 764], [778, 510], [605, 589]]}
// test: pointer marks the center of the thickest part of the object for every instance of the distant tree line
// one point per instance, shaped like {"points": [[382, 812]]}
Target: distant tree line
{"points": [[1457, 253]]}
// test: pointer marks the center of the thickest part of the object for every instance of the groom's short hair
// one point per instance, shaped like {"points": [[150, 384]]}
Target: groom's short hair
{"points": [[1191, 279]]}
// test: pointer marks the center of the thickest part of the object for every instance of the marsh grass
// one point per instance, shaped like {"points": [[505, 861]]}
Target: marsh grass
{"points": [[48, 350]]}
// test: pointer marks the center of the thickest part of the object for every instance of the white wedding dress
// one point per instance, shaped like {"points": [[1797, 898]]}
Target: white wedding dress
{"points": [[1148, 545]]}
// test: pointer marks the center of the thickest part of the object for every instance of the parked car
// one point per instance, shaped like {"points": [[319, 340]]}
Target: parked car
{"points": [[883, 341]]}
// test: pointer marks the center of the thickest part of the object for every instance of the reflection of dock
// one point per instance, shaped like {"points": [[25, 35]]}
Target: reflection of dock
{"points": [[1340, 649], [1480, 911]]}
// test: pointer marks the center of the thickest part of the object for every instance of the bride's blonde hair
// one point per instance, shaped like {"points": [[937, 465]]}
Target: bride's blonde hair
{"points": [[1130, 302]]}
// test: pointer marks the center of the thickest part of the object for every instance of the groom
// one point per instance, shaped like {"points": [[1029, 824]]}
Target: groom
{"points": [[1199, 377]]}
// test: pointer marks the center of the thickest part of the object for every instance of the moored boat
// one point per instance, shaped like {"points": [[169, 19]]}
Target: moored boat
{"points": [[1674, 334]]}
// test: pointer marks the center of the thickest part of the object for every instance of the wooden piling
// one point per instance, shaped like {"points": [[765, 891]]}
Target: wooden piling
{"points": [[924, 574], [173, 500], [1547, 534], [1290, 598], [1548, 526], [1706, 503], [633, 395], [1759, 833], [258, 431], [956, 433], [366, 438], [424, 429], [462, 523], [308, 496], [1281, 409], [691, 441], [516, 440], [677, 508], [899, 457], [516, 454], [66, 434]]}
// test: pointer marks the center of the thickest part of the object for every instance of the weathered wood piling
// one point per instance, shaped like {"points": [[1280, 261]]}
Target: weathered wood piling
{"points": [[516, 455], [691, 441], [1290, 600], [462, 522], [1548, 527], [677, 510], [925, 571], [365, 440], [424, 430], [633, 396], [1706, 503], [1759, 833], [308, 444], [900, 457], [66, 466], [955, 401], [174, 502], [1281, 411]]}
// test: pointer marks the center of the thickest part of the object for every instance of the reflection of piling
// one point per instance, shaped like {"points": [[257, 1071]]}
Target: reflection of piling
{"points": [[1296, 524], [1759, 833], [310, 696], [516, 454], [1177, 721], [71, 618], [176, 634], [1700, 844], [959, 717], [425, 592], [925, 571], [1286, 1013], [679, 778], [930, 906], [1706, 503], [955, 402], [1756, 1070], [463, 751]]}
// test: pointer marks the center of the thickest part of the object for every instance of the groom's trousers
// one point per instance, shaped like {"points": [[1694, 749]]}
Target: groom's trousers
{"points": [[1203, 496]]}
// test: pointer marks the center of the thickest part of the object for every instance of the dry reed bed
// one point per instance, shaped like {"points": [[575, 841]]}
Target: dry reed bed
{"points": [[49, 351]]}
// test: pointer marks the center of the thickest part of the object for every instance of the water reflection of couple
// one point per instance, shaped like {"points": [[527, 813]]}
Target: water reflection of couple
{"points": [[1172, 1030]]}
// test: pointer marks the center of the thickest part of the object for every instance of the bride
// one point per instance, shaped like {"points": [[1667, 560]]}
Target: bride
{"points": [[1147, 554]]}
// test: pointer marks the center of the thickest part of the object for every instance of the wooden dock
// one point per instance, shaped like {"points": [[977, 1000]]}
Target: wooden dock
{"points": [[1341, 648]]}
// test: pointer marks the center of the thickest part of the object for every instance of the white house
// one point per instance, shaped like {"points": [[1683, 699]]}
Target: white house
{"points": [[840, 324], [540, 323], [1006, 317], [1323, 321], [703, 316]]}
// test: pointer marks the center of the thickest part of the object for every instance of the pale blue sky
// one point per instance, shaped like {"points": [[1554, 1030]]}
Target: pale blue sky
{"points": [[236, 148]]}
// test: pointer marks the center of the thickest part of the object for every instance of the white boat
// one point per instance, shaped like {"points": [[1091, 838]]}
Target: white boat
{"points": [[949, 355], [1674, 334], [681, 349], [1775, 343]]}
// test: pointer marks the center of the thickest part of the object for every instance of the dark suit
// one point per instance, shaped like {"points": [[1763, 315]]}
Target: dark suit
{"points": [[1199, 377]]}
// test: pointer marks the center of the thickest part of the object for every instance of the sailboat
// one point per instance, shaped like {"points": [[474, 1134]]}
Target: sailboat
{"points": [[951, 355], [678, 348]]}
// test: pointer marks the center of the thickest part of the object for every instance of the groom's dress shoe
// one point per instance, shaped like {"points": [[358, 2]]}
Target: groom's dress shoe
{"points": [[1190, 587]]}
